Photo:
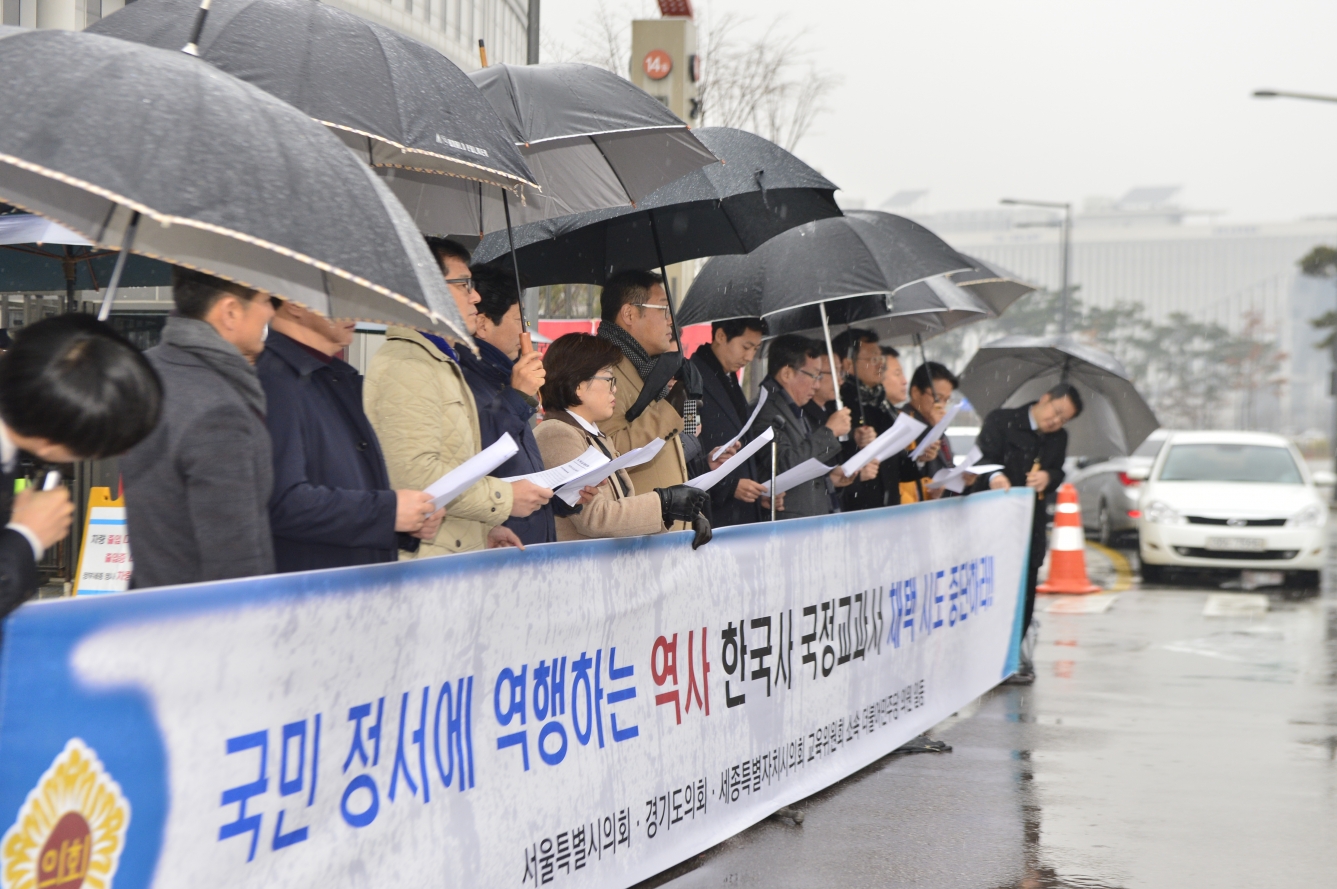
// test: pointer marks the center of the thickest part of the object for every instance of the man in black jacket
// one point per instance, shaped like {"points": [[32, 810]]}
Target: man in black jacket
{"points": [[737, 499], [332, 504], [1030, 444], [873, 413], [71, 388], [505, 384], [931, 389]]}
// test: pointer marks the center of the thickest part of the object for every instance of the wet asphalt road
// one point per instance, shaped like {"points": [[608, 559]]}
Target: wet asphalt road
{"points": [[1159, 747]]}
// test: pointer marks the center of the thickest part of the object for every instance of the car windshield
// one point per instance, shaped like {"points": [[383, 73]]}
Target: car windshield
{"points": [[1149, 448], [1230, 463]]}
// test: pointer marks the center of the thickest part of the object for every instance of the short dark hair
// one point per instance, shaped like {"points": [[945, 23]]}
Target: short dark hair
{"points": [[445, 248], [845, 340], [926, 373], [571, 360], [625, 287], [496, 292], [790, 350], [76, 382], [195, 293], [890, 352], [736, 327], [1068, 391]]}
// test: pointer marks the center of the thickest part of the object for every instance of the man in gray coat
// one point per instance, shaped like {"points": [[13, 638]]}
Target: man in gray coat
{"points": [[197, 490], [793, 373]]}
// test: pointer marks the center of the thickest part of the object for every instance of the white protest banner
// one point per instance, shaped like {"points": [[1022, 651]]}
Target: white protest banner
{"points": [[707, 480], [938, 429], [570, 492], [459, 479], [761, 400], [804, 472], [593, 458], [588, 713]]}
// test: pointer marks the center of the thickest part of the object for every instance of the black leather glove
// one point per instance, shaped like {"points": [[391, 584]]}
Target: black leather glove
{"points": [[701, 525], [681, 503]]}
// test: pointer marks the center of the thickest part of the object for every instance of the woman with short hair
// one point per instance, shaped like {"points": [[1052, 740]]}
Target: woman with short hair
{"points": [[579, 393]]}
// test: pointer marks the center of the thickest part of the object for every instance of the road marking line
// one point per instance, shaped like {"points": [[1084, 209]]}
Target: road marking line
{"points": [[1123, 572]]}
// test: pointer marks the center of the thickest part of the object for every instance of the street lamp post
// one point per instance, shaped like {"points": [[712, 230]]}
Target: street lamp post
{"points": [[1065, 250], [1332, 375]]}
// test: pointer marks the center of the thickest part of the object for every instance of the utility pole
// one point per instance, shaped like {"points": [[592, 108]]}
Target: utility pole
{"points": [[1065, 250], [533, 33]]}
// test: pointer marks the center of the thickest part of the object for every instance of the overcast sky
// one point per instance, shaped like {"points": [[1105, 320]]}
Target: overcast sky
{"points": [[1061, 99]]}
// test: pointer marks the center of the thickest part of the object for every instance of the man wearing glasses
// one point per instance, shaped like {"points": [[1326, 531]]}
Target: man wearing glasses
{"points": [[426, 418], [931, 388], [635, 317]]}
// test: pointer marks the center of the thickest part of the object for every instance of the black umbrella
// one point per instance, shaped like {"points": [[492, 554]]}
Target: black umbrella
{"points": [[839, 270], [397, 102], [759, 191], [155, 151], [591, 138], [1016, 370]]}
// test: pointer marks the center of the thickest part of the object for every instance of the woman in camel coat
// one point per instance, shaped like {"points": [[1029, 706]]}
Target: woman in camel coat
{"points": [[578, 394]]}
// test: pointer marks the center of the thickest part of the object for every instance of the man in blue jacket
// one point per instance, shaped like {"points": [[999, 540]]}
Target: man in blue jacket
{"points": [[505, 380], [332, 505]]}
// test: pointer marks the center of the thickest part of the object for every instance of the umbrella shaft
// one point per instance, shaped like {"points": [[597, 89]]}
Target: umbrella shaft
{"points": [[515, 260], [126, 243]]}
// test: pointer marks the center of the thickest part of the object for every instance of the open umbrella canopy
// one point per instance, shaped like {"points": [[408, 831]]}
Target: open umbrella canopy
{"points": [[591, 138], [1016, 370], [993, 284], [759, 191], [394, 100], [213, 173], [841, 262], [37, 254]]}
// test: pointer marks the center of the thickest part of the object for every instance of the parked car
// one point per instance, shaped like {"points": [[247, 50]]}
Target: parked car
{"points": [[1108, 491], [1237, 500]]}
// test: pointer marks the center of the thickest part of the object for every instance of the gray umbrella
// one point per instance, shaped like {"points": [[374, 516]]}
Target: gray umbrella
{"points": [[757, 192], [136, 147], [592, 139], [1016, 370], [397, 102]]}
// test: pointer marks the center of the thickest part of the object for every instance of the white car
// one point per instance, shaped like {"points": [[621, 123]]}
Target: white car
{"points": [[1237, 500]]}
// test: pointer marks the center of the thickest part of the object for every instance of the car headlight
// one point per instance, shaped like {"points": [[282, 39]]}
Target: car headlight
{"points": [[1163, 514], [1312, 516]]}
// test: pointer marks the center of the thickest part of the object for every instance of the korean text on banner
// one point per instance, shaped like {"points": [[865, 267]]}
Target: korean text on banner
{"points": [[310, 729]]}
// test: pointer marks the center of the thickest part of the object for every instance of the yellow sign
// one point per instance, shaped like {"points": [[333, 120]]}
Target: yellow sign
{"points": [[71, 828], [104, 557]]}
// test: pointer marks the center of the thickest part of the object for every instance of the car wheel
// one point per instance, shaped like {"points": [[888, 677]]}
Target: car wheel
{"points": [[1104, 526], [1153, 573]]}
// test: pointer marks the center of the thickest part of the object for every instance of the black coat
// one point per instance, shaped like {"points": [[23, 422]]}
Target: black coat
{"points": [[18, 569], [502, 409], [885, 490], [332, 504], [1006, 438], [723, 411]]}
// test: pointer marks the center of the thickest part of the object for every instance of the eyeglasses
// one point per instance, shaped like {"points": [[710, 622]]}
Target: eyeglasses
{"points": [[663, 308], [466, 283], [611, 381], [816, 378]]}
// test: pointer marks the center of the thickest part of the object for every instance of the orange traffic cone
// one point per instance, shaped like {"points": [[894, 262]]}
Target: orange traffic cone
{"points": [[1067, 549]]}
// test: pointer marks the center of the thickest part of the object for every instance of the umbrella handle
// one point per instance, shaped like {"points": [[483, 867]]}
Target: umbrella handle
{"points": [[515, 267], [663, 271], [127, 242], [831, 357], [192, 47]]}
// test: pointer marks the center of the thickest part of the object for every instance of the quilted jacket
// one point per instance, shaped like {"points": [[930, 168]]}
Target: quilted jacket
{"points": [[425, 417]]}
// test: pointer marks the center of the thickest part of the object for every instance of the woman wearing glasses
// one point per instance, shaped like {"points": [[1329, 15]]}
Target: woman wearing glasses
{"points": [[580, 392]]}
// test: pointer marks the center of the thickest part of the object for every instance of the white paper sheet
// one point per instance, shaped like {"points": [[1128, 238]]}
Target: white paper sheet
{"points": [[459, 479], [570, 492], [938, 429], [708, 480], [953, 479], [804, 472], [761, 399], [901, 433], [593, 458]]}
